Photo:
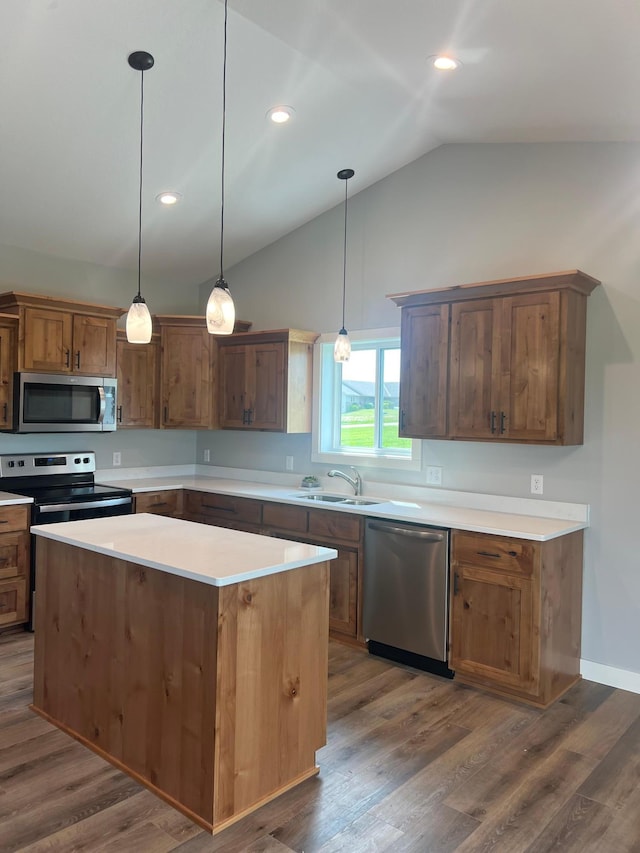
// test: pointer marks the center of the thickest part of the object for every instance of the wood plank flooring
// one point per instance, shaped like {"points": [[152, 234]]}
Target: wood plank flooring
{"points": [[413, 763]]}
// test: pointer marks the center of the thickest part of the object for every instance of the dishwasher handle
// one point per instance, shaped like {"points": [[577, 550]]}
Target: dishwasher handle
{"points": [[425, 535]]}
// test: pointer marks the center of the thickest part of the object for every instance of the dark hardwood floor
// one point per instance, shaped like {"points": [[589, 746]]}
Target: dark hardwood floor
{"points": [[413, 763]]}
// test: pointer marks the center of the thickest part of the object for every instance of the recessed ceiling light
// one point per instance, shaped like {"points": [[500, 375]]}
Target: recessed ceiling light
{"points": [[168, 197], [280, 114], [445, 63]]}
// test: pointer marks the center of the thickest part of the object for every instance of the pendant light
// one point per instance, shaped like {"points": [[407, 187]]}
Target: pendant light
{"points": [[221, 312], [342, 347], [139, 325]]}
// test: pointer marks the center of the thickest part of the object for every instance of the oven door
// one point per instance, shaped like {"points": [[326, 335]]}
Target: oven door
{"points": [[51, 513]]}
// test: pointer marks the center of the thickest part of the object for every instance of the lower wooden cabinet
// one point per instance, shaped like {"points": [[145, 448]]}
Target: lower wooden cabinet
{"points": [[516, 614], [14, 565], [161, 503], [224, 511]]}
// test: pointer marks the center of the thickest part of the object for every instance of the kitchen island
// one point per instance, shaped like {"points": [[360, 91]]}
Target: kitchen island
{"points": [[193, 658]]}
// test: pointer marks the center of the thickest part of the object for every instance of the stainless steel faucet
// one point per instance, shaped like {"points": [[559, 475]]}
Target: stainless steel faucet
{"points": [[355, 481]]}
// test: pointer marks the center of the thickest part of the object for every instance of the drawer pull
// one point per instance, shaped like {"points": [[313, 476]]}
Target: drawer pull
{"points": [[219, 508], [489, 554], [4, 521], [159, 503]]}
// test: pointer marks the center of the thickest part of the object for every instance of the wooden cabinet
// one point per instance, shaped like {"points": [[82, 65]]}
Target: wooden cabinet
{"points": [[64, 336], [339, 530], [14, 565], [516, 614], [265, 380], [138, 376], [8, 364], [515, 360], [424, 371], [187, 388], [163, 502], [224, 511]]}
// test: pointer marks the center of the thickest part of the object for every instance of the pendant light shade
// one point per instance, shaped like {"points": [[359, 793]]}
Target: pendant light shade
{"points": [[139, 326], [221, 312], [342, 347]]}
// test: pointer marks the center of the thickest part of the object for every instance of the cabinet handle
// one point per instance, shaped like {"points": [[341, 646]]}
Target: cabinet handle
{"points": [[493, 422], [119, 414], [67, 358], [244, 416], [402, 421], [489, 554], [503, 418], [165, 414], [159, 503], [456, 586], [78, 360], [4, 521], [5, 410], [249, 416], [220, 508]]}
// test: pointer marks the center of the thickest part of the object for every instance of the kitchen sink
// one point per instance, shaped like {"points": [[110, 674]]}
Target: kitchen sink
{"points": [[336, 499]]}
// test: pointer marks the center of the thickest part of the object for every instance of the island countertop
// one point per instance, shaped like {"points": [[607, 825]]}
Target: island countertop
{"points": [[211, 555]]}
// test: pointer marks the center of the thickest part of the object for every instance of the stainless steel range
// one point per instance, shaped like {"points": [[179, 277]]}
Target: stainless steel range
{"points": [[63, 488]]}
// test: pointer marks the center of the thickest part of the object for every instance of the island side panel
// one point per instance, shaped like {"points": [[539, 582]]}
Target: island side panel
{"points": [[272, 687], [125, 659]]}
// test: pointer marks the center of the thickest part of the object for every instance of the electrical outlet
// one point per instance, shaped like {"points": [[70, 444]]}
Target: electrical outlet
{"points": [[434, 475], [207, 455], [537, 484], [288, 463], [117, 458]]}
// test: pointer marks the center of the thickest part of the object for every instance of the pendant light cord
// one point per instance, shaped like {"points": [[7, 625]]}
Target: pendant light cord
{"points": [[344, 255], [224, 124], [140, 191]]}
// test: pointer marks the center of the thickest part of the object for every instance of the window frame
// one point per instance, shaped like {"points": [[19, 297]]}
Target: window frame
{"points": [[325, 385]]}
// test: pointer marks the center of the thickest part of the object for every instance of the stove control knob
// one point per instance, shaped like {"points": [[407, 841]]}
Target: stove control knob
{"points": [[86, 459], [77, 460], [21, 463], [11, 464]]}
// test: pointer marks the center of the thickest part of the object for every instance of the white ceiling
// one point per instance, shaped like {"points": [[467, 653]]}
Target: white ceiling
{"points": [[355, 71]]}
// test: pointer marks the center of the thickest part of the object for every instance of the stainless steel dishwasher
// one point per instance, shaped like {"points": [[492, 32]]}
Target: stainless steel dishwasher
{"points": [[406, 593]]}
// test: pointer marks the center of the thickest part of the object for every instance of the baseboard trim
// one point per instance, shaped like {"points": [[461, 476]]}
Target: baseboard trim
{"points": [[610, 675]]}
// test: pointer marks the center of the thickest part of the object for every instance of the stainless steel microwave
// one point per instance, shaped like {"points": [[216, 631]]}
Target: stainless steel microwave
{"points": [[46, 402]]}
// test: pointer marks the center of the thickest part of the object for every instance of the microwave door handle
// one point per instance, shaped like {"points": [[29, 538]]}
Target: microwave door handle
{"points": [[103, 403]]}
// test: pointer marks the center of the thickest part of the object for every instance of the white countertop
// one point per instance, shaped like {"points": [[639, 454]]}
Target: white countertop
{"points": [[521, 526], [9, 499], [211, 555]]}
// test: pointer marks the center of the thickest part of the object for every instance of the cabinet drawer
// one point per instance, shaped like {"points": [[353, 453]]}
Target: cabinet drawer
{"points": [[494, 552], [160, 503], [293, 518], [335, 525], [14, 548], [227, 508], [13, 601], [14, 518]]}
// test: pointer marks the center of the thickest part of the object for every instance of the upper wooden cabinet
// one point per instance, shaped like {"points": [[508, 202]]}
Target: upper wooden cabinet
{"points": [[188, 389], [63, 335], [496, 361], [265, 380], [8, 364], [138, 374]]}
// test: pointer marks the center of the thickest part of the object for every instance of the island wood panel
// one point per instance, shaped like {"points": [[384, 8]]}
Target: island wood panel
{"points": [[215, 698]]}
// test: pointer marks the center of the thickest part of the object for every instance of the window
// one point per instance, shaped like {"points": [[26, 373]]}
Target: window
{"points": [[357, 405]]}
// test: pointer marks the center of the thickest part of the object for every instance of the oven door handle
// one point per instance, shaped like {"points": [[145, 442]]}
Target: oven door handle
{"points": [[44, 508], [103, 402]]}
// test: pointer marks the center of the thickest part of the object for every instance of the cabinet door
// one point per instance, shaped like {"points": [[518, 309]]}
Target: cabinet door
{"points": [[8, 362], [137, 385], [13, 601], [343, 592], [475, 366], [492, 627], [94, 345], [424, 371], [232, 367], [14, 555], [530, 351], [47, 340], [266, 381], [186, 378]]}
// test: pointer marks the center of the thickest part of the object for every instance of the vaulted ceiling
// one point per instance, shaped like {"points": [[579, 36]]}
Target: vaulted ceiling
{"points": [[356, 72]]}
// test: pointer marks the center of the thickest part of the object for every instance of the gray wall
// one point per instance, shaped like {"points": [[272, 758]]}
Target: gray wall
{"points": [[467, 213], [30, 272]]}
